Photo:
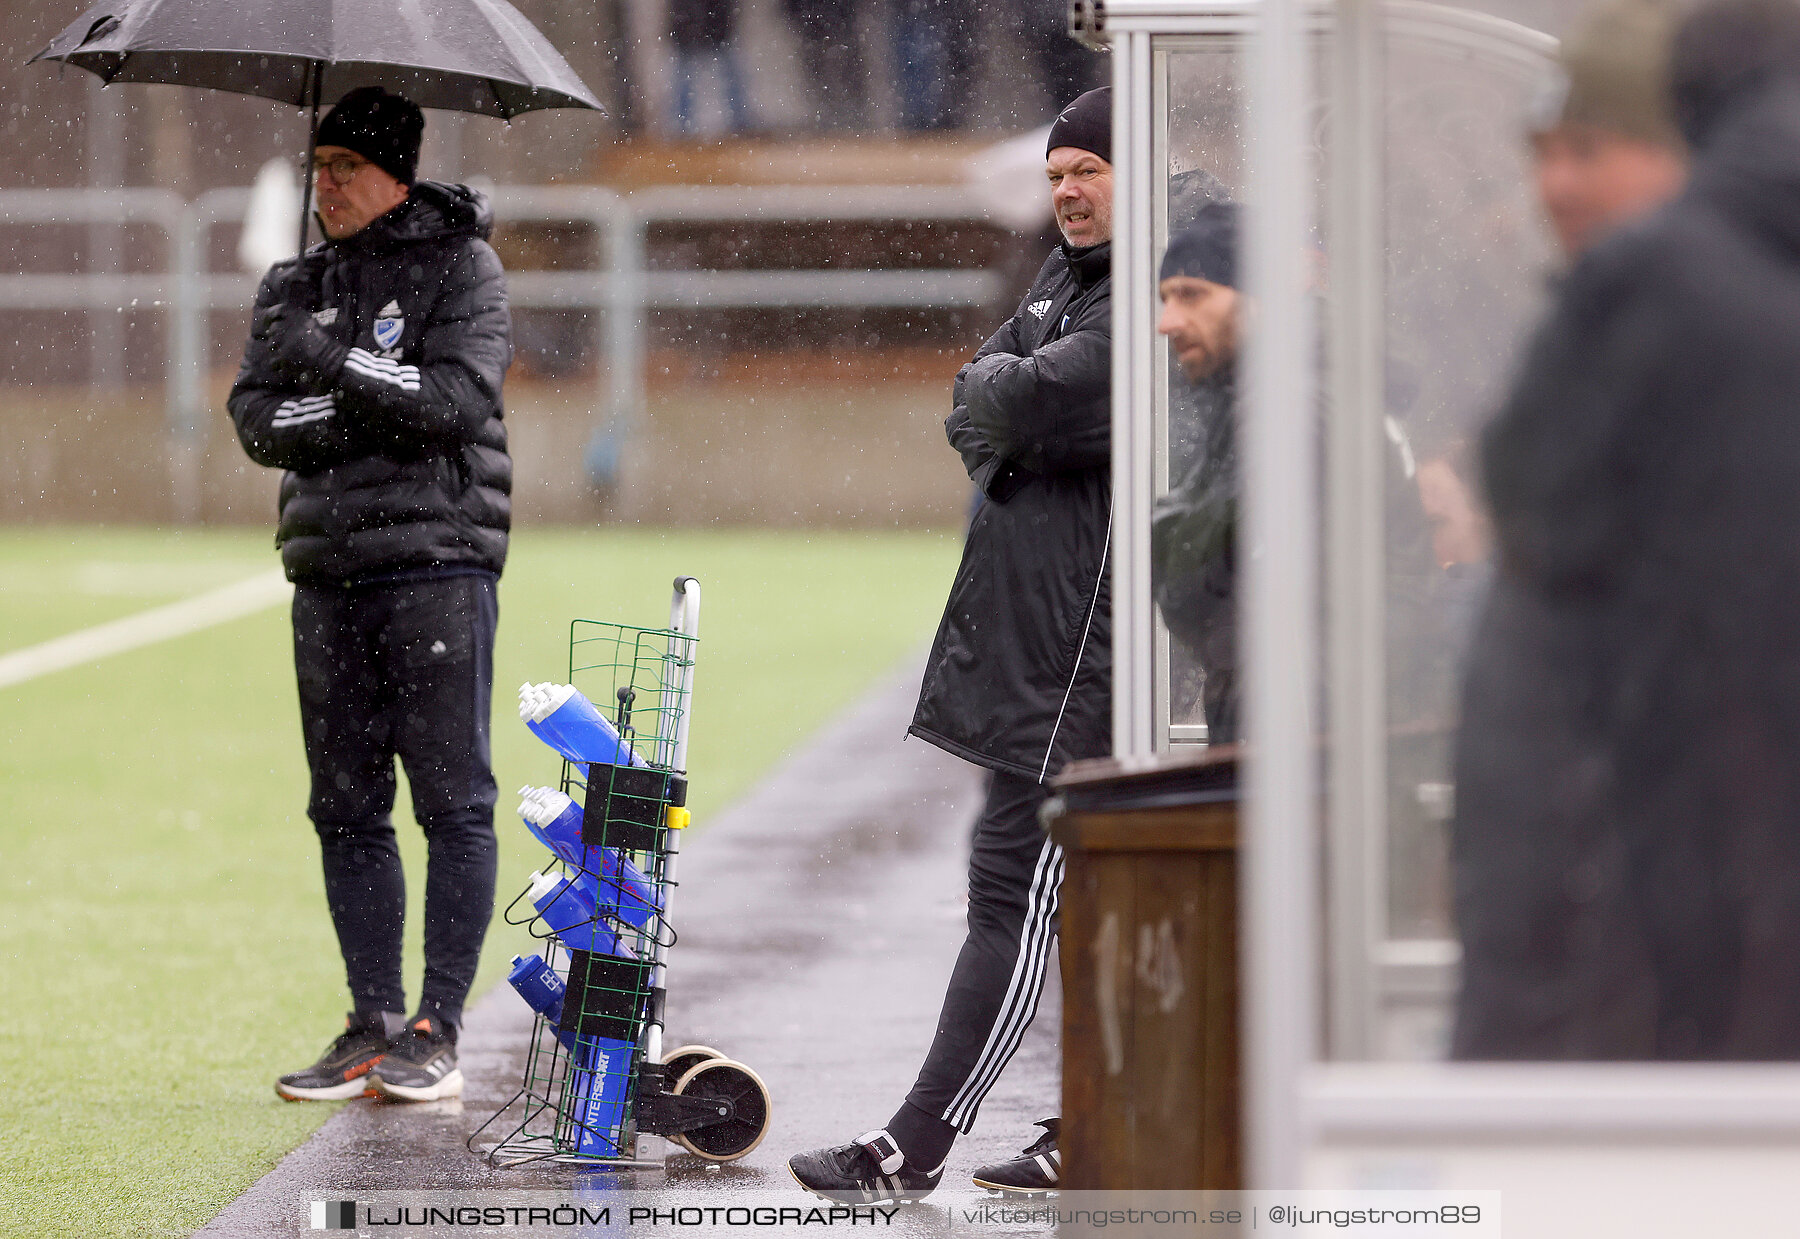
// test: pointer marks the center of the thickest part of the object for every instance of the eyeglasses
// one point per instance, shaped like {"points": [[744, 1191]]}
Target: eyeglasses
{"points": [[343, 168]]}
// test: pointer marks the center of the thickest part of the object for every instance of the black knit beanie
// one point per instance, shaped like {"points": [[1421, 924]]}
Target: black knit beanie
{"points": [[1208, 249], [383, 128], [1085, 124]]}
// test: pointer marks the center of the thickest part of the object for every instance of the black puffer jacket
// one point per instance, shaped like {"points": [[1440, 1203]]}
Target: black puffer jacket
{"points": [[1020, 676], [402, 465]]}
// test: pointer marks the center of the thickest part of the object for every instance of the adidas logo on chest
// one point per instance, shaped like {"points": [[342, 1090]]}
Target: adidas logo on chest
{"points": [[1037, 309]]}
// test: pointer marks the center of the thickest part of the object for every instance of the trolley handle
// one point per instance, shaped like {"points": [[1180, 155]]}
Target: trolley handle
{"points": [[684, 621]]}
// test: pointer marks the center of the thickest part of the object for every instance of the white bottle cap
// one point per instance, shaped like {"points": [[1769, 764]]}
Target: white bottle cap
{"points": [[543, 885], [558, 695]]}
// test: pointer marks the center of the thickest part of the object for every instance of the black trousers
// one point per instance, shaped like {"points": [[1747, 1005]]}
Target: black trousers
{"points": [[1015, 880], [402, 670]]}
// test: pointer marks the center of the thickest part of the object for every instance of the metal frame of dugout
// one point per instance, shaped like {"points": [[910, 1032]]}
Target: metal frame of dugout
{"points": [[1579, 1149]]}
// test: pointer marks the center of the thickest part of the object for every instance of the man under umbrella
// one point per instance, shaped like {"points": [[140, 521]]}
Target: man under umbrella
{"points": [[373, 377]]}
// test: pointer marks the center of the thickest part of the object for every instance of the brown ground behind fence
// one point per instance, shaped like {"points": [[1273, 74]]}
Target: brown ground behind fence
{"points": [[853, 440]]}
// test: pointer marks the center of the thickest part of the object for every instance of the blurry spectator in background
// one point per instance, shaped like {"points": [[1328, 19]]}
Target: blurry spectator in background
{"points": [[832, 55], [934, 59], [704, 34], [1065, 66], [1604, 143], [1627, 839], [624, 99]]}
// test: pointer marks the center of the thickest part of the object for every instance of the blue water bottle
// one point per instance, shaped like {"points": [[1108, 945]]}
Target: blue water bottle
{"points": [[601, 1066], [555, 821], [612, 883], [570, 914], [623, 888], [542, 991], [560, 716], [601, 1085]]}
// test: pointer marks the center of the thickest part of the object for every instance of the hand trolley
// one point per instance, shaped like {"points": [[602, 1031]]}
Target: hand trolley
{"points": [[596, 1075]]}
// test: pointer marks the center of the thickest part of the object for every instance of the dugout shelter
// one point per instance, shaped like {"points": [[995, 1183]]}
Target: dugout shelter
{"points": [[1396, 258]]}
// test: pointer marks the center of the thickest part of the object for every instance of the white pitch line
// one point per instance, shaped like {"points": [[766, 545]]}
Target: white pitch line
{"points": [[178, 619]]}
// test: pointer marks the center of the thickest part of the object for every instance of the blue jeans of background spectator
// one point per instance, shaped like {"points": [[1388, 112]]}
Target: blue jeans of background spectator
{"points": [[689, 65], [933, 50]]}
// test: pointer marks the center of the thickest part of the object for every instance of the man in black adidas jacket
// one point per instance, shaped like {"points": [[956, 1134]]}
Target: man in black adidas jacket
{"points": [[1020, 676], [372, 377]]}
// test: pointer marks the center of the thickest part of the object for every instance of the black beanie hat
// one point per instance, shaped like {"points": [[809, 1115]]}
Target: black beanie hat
{"points": [[1085, 124], [383, 128], [1208, 249]]}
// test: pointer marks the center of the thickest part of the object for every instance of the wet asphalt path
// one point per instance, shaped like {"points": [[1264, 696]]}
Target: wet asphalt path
{"points": [[818, 920]]}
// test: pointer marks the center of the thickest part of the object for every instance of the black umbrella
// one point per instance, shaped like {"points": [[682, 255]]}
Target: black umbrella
{"points": [[478, 56]]}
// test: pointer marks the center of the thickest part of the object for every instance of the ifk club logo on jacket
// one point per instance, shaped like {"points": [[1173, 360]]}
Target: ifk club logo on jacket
{"points": [[389, 325]]}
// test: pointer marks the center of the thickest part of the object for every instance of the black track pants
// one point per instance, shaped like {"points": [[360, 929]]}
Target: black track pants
{"points": [[402, 670], [1015, 877]]}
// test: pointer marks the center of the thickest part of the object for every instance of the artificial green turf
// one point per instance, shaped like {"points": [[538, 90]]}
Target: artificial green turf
{"points": [[54, 581], [164, 941]]}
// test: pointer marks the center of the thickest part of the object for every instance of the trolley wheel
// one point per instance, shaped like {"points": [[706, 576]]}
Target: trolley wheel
{"points": [[731, 1139], [680, 1061]]}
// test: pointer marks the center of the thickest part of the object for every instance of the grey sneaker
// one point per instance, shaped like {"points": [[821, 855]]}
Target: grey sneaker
{"points": [[420, 1064], [343, 1069]]}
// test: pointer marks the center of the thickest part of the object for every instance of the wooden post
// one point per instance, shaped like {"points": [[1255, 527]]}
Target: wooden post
{"points": [[1150, 976]]}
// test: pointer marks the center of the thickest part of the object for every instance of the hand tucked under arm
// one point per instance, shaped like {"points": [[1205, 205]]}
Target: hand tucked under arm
{"points": [[282, 422], [303, 350], [977, 456], [1048, 412]]}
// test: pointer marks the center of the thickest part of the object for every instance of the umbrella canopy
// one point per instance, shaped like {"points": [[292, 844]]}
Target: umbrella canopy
{"points": [[478, 56]]}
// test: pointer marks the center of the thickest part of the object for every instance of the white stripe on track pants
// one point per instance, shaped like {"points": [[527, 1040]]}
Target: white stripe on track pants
{"points": [[1015, 878]]}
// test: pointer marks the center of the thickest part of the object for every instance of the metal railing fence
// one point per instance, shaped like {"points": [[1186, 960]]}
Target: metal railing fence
{"points": [[619, 285]]}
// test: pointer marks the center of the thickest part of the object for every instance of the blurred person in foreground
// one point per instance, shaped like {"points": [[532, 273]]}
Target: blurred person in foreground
{"points": [[1604, 143], [1605, 151], [373, 377], [1019, 679], [1628, 777]]}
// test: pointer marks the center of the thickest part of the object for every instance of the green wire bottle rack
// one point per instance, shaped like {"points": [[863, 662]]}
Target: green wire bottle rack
{"points": [[598, 1079]]}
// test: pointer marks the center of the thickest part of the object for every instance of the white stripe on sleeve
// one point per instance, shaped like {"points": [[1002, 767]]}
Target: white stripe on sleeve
{"points": [[299, 412], [365, 363]]}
